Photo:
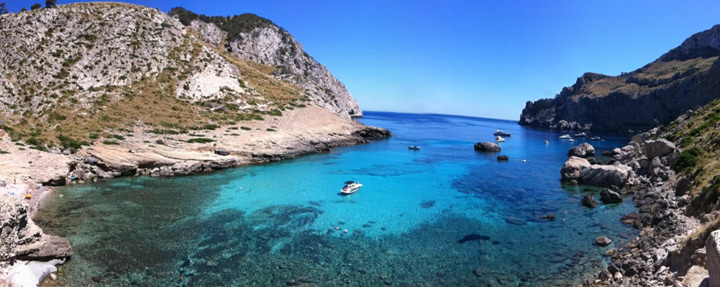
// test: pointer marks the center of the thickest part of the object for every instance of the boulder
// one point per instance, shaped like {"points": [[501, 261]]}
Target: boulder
{"points": [[603, 241], [166, 171], [683, 186], [633, 219], [487, 147], [610, 196], [605, 175], [582, 150], [658, 148], [503, 158], [91, 160], [573, 167], [589, 201], [222, 152], [712, 258], [49, 247]]}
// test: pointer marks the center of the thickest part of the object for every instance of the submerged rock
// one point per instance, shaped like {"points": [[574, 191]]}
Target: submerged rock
{"points": [[589, 201], [473, 237], [487, 147], [603, 241], [503, 158], [610, 196]]}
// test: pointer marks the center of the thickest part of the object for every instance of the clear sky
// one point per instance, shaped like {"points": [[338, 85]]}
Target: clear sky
{"points": [[469, 57]]}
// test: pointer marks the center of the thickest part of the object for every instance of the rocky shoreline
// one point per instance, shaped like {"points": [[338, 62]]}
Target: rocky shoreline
{"points": [[662, 254], [27, 254]]}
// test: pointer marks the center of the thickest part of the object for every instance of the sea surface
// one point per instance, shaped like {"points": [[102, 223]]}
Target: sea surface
{"points": [[445, 215]]}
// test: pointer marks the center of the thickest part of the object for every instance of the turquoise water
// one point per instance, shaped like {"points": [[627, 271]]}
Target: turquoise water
{"points": [[286, 223]]}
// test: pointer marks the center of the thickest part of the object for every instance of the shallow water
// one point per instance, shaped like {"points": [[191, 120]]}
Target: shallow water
{"points": [[283, 224]]}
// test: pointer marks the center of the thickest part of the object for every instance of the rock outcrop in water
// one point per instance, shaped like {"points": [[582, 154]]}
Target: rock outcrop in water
{"points": [[21, 239], [487, 147], [684, 78]]}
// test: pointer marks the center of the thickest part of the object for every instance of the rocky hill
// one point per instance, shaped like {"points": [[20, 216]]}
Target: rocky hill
{"points": [[253, 38], [684, 78], [79, 73]]}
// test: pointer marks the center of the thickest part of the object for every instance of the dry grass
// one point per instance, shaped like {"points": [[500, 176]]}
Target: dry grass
{"points": [[151, 102], [655, 71]]}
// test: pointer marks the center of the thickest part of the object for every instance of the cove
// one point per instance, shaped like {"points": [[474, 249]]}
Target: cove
{"points": [[443, 216]]}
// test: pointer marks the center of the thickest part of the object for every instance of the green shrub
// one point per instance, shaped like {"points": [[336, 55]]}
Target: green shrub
{"points": [[245, 128], [276, 113], [3, 152], [159, 142], [210, 127], [200, 140], [70, 143], [118, 137], [110, 142], [94, 136], [270, 130], [687, 159]]}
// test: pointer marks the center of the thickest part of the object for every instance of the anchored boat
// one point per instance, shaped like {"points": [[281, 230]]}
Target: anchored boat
{"points": [[350, 187]]}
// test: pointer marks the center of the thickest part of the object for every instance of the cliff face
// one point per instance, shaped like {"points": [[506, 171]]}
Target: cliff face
{"points": [[70, 73], [684, 78], [259, 40]]}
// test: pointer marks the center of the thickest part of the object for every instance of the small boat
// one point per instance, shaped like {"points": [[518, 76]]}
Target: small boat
{"points": [[565, 136], [350, 187], [571, 140], [413, 147], [547, 142], [595, 138], [581, 135], [501, 133], [499, 139]]}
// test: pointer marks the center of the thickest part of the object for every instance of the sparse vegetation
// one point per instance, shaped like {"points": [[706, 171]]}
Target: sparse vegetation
{"points": [[233, 25], [200, 140], [687, 159]]}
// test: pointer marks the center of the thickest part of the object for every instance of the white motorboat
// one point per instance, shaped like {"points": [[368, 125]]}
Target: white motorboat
{"points": [[413, 147], [350, 187], [501, 133], [571, 140], [581, 135], [499, 139], [565, 136]]}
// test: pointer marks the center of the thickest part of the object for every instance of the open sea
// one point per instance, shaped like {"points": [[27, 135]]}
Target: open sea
{"points": [[445, 215]]}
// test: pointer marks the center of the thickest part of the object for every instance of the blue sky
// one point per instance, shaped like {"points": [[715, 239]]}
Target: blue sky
{"points": [[476, 58]]}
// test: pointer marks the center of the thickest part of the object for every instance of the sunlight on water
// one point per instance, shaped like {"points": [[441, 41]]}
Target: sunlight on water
{"points": [[444, 215]]}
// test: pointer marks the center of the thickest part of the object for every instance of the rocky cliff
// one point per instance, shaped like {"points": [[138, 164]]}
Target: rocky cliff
{"points": [[253, 38], [684, 78], [70, 73]]}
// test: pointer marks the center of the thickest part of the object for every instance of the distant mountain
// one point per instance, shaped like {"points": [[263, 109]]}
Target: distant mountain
{"points": [[253, 38], [684, 78]]}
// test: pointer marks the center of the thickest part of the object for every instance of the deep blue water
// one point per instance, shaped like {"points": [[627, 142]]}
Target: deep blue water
{"points": [[283, 224]]}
